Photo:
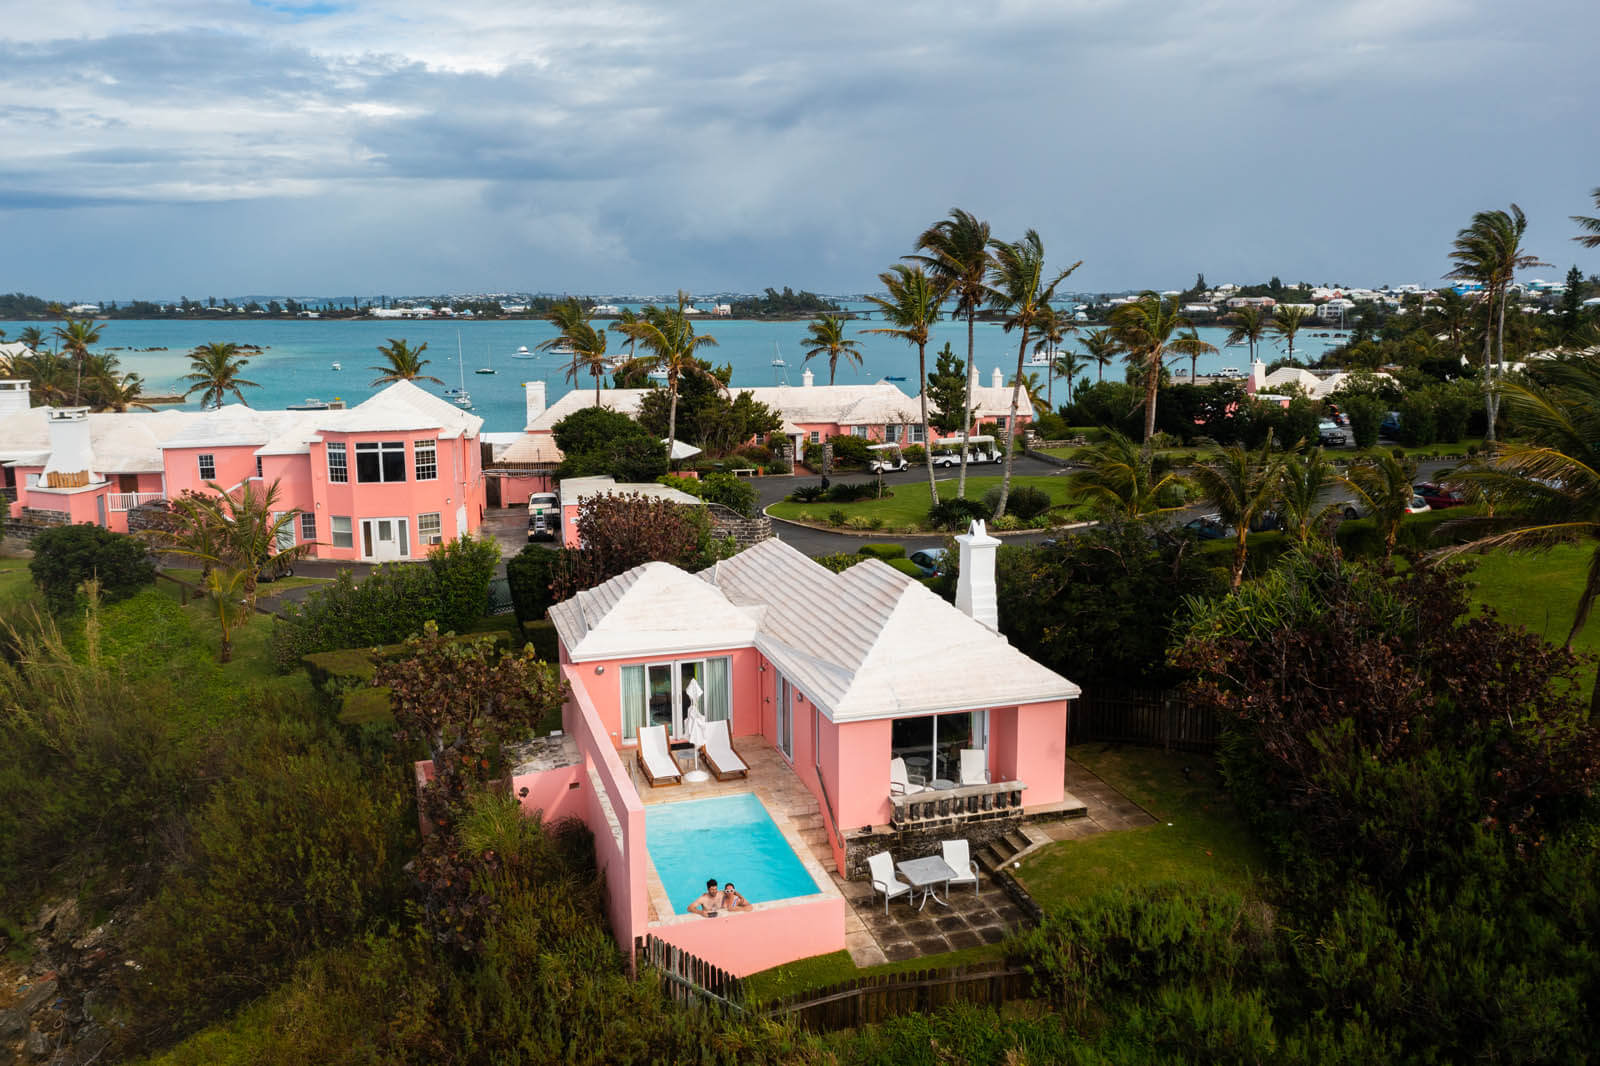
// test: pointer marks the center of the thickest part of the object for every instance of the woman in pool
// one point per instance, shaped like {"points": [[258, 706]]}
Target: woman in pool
{"points": [[732, 900]]}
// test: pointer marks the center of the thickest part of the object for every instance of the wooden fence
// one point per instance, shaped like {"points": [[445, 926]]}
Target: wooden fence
{"points": [[688, 978], [867, 1000], [1156, 717]]}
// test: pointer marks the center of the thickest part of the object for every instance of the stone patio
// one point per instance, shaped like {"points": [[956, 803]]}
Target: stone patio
{"points": [[907, 932]]}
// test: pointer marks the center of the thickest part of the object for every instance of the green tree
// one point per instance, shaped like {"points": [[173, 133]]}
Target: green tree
{"points": [[947, 388], [1143, 330], [1287, 323], [1102, 349], [1307, 476], [1122, 478], [825, 336], [214, 371], [587, 344], [1033, 389], [957, 254], [670, 343], [1067, 365], [64, 557], [1572, 305], [1247, 326], [240, 530], [402, 362], [76, 336], [1021, 292], [1189, 343], [1051, 336], [1383, 484], [911, 309], [1242, 486]]}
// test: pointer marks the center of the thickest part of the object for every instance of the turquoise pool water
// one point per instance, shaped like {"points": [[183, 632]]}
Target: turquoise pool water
{"points": [[731, 838]]}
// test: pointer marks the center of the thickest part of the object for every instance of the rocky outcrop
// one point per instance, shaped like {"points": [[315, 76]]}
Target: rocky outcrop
{"points": [[56, 1009]]}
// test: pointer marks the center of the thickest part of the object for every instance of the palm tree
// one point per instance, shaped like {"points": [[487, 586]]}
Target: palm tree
{"points": [[234, 531], [76, 337], [1033, 389], [114, 393], [669, 341], [1286, 323], [1124, 478], [1067, 365], [624, 325], [33, 337], [401, 362], [1051, 337], [1143, 329], [911, 309], [1382, 483], [1021, 291], [1590, 237], [1242, 486], [959, 259], [1305, 477], [223, 586], [1249, 326], [1190, 344], [1102, 350], [825, 335], [214, 370], [1489, 252], [587, 344]]}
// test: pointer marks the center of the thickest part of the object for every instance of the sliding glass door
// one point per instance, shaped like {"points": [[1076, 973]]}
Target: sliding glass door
{"points": [[931, 745], [657, 694], [785, 717]]}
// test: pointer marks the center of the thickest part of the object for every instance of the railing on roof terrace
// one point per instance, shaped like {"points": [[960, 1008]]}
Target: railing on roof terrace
{"points": [[964, 803], [127, 501]]}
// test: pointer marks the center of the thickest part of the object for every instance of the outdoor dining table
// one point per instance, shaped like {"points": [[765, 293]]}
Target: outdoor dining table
{"points": [[925, 873]]}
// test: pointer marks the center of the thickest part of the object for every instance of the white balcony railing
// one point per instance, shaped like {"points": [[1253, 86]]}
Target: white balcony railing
{"points": [[127, 501]]}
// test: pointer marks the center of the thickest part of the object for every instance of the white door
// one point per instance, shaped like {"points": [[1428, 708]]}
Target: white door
{"points": [[385, 539]]}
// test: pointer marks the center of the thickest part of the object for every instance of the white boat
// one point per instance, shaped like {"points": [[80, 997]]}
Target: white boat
{"points": [[523, 353], [336, 366], [458, 394], [488, 364], [1230, 371], [311, 404], [463, 400]]}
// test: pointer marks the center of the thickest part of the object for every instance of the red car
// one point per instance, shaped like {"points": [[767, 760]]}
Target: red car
{"points": [[1439, 496]]}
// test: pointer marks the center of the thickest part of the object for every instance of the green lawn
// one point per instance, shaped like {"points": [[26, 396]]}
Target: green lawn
{"points": [[820, 971], [1198, 837], [16, 584], [1538, 590], [265, 590], [908, 507]]}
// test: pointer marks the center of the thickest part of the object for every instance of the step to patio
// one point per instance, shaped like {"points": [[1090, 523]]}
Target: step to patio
{"points": [[1011, 847]]}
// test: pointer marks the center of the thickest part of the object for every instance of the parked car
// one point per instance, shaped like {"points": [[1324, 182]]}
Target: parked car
{"points": [[1389, 428], [1356, 509], [929, 560], [1439, 497], [1330, 434], [544, 516], [1209, 527]]}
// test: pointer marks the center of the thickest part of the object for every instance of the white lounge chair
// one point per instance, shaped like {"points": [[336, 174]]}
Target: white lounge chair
{"points": [[884, 879], [900, 782], [958, 857], [974, 766], [655, 758], [718, 753]]}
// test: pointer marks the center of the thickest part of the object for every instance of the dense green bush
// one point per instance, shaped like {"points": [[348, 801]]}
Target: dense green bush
{"points": [[1366, 415], [807, 493], [883, 551], [463, 569], [733, 492], [598, 440], [64, 556], [1025, 502], [957, 513], [530, 573], [392, 603], [855, 491]]}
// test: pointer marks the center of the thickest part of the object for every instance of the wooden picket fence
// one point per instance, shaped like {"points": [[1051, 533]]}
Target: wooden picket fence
{"points": [[1155, 717], [687, 978], [867, 1000]]}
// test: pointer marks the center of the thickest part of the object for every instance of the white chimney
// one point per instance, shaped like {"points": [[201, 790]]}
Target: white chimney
{"points": [[1258, 377], [533, 392], [808, 379], [998, 379], [71, 463], [14, 397], [975, 591]]}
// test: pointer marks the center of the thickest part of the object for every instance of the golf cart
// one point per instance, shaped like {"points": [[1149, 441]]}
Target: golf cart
{"points": [[947, 452], [886, 458], [544, 516]]}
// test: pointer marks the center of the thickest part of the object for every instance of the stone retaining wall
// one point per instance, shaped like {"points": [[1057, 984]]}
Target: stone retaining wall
{"points": [[979, 832], [726, 522]]}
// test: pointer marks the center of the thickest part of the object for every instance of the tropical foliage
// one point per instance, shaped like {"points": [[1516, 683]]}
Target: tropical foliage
{"points": [[1143, 330], [1242, 486], [402, 362], [670, 344], [825, 337], [911, 309], [956, 251], [214, 372], [1122, 478]]}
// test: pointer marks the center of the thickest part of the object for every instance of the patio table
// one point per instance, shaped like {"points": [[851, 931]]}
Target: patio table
{"points": [[925, 874], [941, 784]]}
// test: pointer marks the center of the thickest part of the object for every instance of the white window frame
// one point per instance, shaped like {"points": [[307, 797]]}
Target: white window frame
{"points": [[338, 473], [816, 437], [259, 474], [918, 433], [308, 526], [204, 460], [283, 540], [431, 449], [436, 536], [674, 731], [347, 537], [859, 431]]}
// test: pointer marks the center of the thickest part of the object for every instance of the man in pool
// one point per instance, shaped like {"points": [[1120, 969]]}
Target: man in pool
{"points": [[706, 905], [732, 900]]}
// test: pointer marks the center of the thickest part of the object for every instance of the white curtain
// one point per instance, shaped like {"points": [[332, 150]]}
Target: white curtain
{"points": [[718, 699], [634, 703]]}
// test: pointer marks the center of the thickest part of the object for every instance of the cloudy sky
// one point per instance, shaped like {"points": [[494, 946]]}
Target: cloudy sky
{"points": [[221, 147]]}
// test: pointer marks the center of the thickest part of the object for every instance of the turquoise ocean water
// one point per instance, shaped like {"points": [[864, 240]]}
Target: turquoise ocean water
{"points": [[295, 362]]}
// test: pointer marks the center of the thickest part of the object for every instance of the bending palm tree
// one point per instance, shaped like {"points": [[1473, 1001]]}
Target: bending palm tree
{"points": [[959, 259], [1249, 326], [1123, 478], [76, 337], [669, 341], [587, 344], [1067, 365], [1242, 486], [214, 370], [33, 337], [234, 532], [113, 393], [1022, 292], [1305, 478], [1383, 484], [1190, 344], [912, 308], [1102, 349], [1143, 329], [49, 376], [825, 335], [1590, 237], [1051, 335], [1286, 323], [401, 362]]}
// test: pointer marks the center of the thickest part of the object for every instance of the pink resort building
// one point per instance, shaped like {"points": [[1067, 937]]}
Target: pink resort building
{"points": [[857, 712], [381, 481]]}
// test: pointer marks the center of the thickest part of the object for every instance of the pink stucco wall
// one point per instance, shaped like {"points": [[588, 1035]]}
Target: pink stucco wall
{"points": [[233, 465], [514, 491], [751, 941], [552, 792], [604, 689], [1041, 751]]}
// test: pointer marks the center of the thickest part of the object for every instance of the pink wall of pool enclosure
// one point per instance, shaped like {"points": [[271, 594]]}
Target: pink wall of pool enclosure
{"points": [[819, 667]]}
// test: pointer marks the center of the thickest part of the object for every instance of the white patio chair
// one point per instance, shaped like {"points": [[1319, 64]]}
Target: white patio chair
{"points": [[718, 753], [900, 780], [974, 766], [655, 758], [958, 857], [884, 879]]}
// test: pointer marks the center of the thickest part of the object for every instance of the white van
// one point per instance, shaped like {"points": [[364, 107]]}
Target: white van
{"points": [[544, 516]]}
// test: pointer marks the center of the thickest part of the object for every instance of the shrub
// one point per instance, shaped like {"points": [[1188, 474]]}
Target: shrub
{"points": [[808, 494], [863, 522], [855, 491], [63, 557], [1366, 415], [391, 603], [957, 513], [851, 450], [530, 573], [838, 562], [732, 492], [836, 517], [915, 454], [906, 566], [1025, 501], [463, 569], [883, 551], [1006, 521]]}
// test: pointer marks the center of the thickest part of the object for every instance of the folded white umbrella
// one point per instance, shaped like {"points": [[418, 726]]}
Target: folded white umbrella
{"points": [[679, 450]]}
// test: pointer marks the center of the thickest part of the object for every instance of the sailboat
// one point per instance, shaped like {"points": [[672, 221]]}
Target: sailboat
{"points": [[780, 369], [488, 362], [461, 398], [523, 353]]}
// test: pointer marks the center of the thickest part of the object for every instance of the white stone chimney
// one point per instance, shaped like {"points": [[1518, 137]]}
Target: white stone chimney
{"points": [[975, 591], [14, 397], [808, 379], [71, 462], [533, 392], [997, 379], [1258, 377]]}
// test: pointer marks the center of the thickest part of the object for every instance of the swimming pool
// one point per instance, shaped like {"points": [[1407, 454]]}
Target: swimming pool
{"points": [[731, 838]]}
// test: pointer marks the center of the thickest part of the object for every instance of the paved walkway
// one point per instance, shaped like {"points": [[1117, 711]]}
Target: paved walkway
{"points": [[1108, 809]]}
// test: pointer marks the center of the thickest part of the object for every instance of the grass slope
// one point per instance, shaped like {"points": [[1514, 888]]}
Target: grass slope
{"points": [[908, 507]]}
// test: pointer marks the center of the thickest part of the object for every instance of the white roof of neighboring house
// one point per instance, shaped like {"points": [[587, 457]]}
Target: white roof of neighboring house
{"points": [[127, 443], [1318, 387], [574, 489], [868, 643], [530, 448]]}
